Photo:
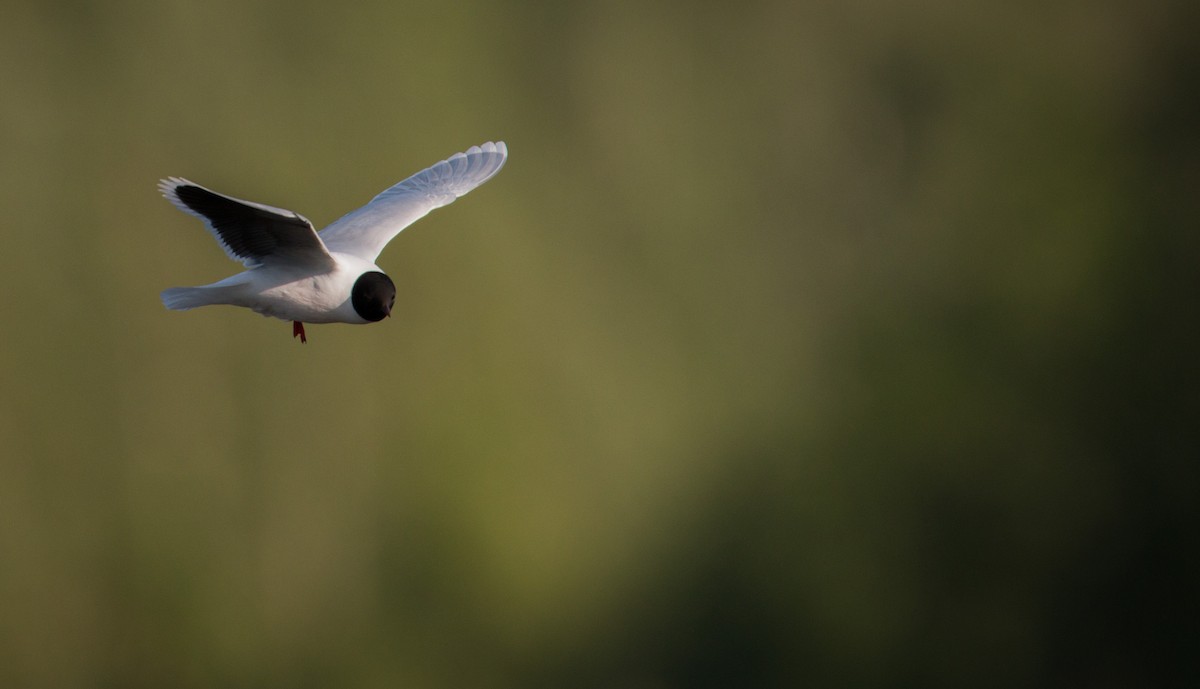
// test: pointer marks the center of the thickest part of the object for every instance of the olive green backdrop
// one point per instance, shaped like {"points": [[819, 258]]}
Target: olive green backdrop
{"points": [[798, 344]]}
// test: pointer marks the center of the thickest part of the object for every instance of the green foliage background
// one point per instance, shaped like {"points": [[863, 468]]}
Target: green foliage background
{"points": [[800, 343]]}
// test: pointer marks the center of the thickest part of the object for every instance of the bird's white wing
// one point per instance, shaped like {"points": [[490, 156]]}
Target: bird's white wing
{"points": [[252, 233], [366, 231]]}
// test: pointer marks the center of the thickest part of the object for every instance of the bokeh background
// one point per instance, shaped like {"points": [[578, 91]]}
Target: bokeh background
{"points": [[798, 344]]}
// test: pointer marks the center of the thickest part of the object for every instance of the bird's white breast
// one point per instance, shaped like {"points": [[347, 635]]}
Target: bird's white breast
{"points": [[299, 295]]}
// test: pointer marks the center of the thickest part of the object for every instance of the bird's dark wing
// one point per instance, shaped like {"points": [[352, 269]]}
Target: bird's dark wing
{"points": [[252, 233]]}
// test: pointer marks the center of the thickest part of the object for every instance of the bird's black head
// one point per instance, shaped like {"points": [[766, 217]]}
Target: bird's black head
{"points": [[373, 296]]}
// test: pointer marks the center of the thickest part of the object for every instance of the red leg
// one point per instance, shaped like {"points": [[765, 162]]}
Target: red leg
{"points": [[298, 331]]}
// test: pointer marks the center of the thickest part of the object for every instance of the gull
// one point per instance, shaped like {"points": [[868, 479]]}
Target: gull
{"points": [[298, 274]]}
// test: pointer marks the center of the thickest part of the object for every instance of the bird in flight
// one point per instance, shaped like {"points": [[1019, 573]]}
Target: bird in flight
{"points": [[298, 274]]}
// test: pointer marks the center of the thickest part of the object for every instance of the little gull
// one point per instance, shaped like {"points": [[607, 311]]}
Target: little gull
{"points": [[298, 274]]}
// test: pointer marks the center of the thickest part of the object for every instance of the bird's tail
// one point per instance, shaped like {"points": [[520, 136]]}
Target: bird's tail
{"points": [[184, 298]]}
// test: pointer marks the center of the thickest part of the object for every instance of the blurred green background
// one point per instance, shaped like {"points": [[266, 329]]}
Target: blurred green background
{"points": [[798, 344]]}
